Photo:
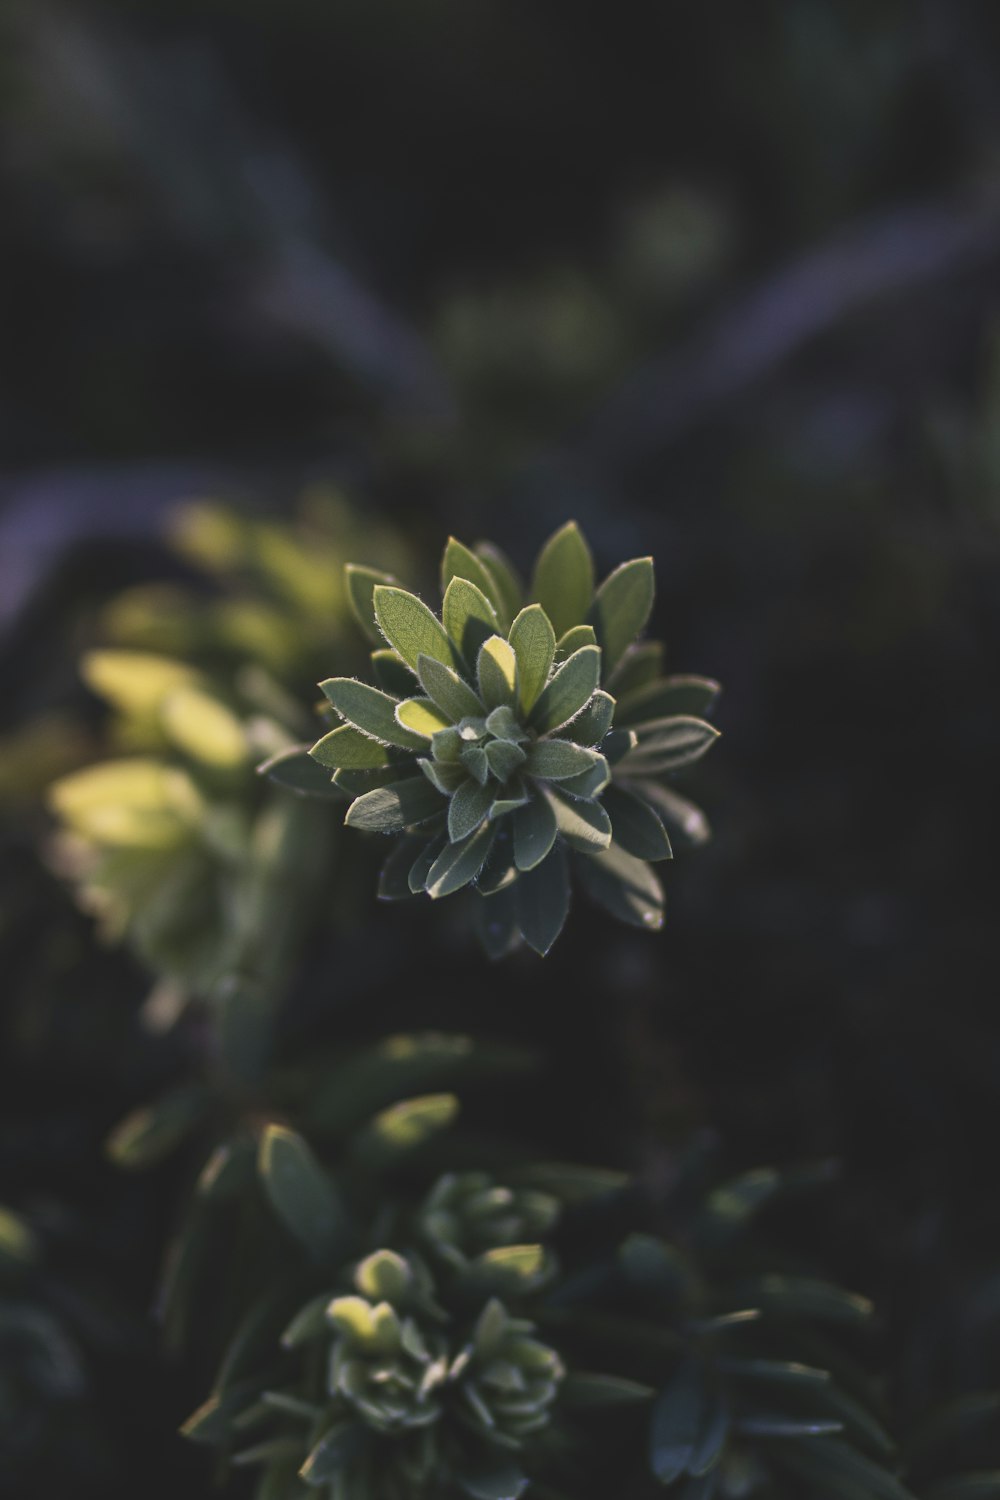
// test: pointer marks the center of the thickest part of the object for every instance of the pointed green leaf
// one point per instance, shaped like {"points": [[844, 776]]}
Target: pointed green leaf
{"points": [[534, 833], [556, 760], [667, 744], [570, 690], [295, 770], [542, 901], [467, 809], [390, 809], [590, 727], [584, 825], [300, 1192], [624, 886], [410, 627], [534, 643], [460, 863], [563, 580], [459, 562], [348, 748], [469, 618], [638, 830], [496, 673], [361, 583], [666, 697], [507, 584], [622, 607], [372, 712], [451, 693]]}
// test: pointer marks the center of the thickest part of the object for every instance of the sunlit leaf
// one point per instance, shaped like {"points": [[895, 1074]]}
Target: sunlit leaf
{"points": [[459, 562], [563, 580], [468, 617], [348, 749], [410, 628], [534, 643], [496, 673]]}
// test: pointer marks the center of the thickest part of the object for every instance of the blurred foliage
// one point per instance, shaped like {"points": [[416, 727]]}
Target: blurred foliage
{"points": [[720, 282]]}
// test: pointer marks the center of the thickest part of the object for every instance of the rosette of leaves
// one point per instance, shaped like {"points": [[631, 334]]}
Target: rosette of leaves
{"points": [[417, 1401], [518, 735], [410, 1375]]}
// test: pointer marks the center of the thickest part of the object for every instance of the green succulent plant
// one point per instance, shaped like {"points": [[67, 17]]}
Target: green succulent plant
{"points": [[410, 1376], [519, 735], [416, 1403]]}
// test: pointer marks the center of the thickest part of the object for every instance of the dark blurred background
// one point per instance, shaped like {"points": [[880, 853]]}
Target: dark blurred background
{"points": [[722, 282]]}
